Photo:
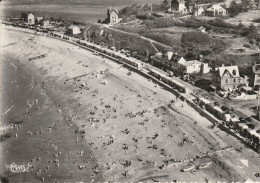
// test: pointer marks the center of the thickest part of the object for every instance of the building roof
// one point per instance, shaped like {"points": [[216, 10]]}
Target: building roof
{"points": [[39, 18], [110, 10], [234, 120], [247, 88], [178, 1], [232, 70], [169, 55], [72, 27], [176, 58], [253, 132], [215, 7], [206, 101], [242, 125], [201, 28], [30, 14], [192, 62]]}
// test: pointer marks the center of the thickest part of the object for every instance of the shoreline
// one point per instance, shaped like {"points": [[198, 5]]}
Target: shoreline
{"points": [[39, 127], [124, 98]]}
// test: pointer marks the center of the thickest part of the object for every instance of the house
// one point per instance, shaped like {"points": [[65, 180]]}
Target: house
{"points": [[179, 5], [191, 66], [199, 11], [177, 61], [73, 30], [46, 23], [30, 19], [112, 16], [256, 70], [216, 10], [228, 78], [162, 60], [205, 68], [38, 19]]}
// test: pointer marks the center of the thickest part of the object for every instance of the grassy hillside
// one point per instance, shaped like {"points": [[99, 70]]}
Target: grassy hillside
{"points": [[101, 34]]}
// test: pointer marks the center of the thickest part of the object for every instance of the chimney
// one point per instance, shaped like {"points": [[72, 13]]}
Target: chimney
{"points": [[223, 65]]}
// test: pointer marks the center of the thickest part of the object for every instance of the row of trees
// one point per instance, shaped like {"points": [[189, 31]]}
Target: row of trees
{"points": [[236, 8]]}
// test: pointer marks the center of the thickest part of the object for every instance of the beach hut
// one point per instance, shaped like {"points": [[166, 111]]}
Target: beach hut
{"points": [[233, 123], [73, 30], [226, 117]]}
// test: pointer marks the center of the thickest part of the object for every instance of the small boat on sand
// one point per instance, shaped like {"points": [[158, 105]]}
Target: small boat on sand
{"points": [[204, 165], [189, 168]]}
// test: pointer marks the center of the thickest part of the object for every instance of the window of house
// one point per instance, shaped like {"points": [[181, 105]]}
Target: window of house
{"points": [[226, 80], [234, 80]]}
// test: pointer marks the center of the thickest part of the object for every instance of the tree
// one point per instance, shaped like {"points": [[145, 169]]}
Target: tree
{"points": [[245, 5], [252, 32], [234, 9], [240, 26], [24, 16], [189, 4]]}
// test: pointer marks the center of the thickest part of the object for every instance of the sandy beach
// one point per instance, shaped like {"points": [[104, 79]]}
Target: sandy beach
{"points": [[107, 125]]}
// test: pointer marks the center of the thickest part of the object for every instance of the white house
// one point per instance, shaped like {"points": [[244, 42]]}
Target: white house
{"points": [[112, 16], [30, 19], [38, 19], [199, 11], [46, 23], [177, 61], [205, 68], [179, 5], [216, 10], [73, 30], [192, 66]]}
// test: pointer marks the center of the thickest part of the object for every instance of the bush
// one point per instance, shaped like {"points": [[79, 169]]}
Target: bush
{"points": [[247, 45], [221, 23], [256, 20], [145, 17], [195, 37], [251, 33], [160, 23]]}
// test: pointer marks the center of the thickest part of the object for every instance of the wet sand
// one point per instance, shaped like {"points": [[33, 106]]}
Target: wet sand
{"points": [[41, 133], [130, 128]]}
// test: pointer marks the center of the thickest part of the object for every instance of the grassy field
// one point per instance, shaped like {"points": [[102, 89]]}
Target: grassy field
{"points": [[174, 29], [131, 27], [121, 40], [245, 18]]}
